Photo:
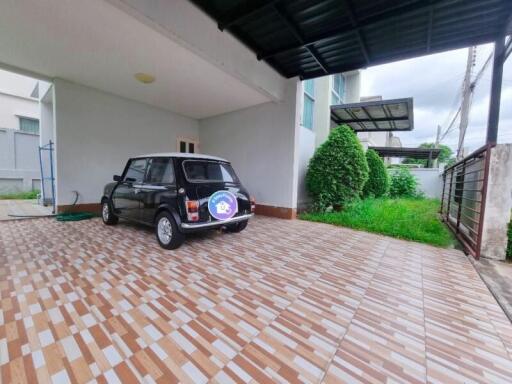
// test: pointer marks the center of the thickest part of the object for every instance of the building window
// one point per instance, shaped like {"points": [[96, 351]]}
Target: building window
{"points": [[29, 125], [308, 104], [337, 89], [187, 146]]}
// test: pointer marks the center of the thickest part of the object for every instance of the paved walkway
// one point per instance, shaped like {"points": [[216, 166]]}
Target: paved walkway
{"points": [[20, 208], [285, 301]]}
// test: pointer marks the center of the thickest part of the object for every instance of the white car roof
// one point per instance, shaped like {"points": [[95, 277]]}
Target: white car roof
{"points": [[183, 155]]}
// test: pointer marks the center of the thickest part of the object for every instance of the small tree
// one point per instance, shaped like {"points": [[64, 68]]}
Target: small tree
{"points": [[378, 179], [338, 170], [403, 183]]}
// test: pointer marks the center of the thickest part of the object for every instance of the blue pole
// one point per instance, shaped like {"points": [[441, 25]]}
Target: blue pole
{"points": [[51, 175], [42, 174]]}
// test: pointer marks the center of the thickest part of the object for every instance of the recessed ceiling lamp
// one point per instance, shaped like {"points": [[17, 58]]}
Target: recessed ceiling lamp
{"points": [[144, 78]]}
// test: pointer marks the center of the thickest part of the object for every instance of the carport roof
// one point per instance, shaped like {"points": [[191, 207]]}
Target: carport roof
{"points": [[415, 153], [375, 116], [311, 38]]}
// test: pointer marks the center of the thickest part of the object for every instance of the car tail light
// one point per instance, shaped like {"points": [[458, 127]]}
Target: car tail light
{"points": [[253, 204], [192, 210]]}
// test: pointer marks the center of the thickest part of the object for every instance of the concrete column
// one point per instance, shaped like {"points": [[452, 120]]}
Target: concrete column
{"points": [[498, 203]]}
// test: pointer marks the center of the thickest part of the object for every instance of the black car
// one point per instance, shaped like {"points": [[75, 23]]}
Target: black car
{"points": [[178, 193]]}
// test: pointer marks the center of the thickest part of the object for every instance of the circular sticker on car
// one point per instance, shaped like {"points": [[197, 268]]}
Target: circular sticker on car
{"points": [[222, 205]]}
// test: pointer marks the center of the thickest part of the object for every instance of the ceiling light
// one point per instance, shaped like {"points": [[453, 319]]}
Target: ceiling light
{"points": [[144, 78]]}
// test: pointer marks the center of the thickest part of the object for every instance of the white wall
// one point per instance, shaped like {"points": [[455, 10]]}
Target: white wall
{"points": [[15, 99], [306, 150], [262, 144], [322, 111], [47, 133], [13, 106], [97, 132], [429, 180]]}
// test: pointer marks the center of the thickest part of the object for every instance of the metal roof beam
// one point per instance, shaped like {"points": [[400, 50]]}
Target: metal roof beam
{"points": [[355, 24], [429, 28], [372, 120], [241, 13], [390, 15], [298, 35]]}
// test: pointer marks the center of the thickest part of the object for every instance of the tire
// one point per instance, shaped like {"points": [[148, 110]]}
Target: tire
{"points": [[106, 213], [237, 227], [166, 231]]}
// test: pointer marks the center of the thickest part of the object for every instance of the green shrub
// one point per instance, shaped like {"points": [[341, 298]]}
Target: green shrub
{"points": [[509, 245], [378, 178], [403, 184], [337, 171], [30, 195]]}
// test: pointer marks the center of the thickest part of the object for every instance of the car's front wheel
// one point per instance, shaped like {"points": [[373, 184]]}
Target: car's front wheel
{"points": [[107, 215], [237, 227], [167, 233]]}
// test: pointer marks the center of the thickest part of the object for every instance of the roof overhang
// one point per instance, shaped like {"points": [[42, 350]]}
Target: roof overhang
{"points": [[415, 153], [375, 116], [318, 37]]}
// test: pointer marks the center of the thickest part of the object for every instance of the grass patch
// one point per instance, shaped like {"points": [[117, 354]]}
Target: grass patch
{"points": [[409, 219], [31, 195]]}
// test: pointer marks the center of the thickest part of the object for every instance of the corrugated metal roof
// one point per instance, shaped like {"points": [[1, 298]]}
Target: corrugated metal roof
{"points": [[415, 153], [311, 38], [375, 116]]}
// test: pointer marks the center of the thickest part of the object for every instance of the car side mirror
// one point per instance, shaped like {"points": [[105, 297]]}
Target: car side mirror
{"points": [[117, 178]]}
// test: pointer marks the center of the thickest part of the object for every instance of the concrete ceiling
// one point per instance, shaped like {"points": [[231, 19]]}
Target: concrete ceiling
{"points": [[97, 44]]}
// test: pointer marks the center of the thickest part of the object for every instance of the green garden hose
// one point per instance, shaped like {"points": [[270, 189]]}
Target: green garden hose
{"points": [[74, 216]]}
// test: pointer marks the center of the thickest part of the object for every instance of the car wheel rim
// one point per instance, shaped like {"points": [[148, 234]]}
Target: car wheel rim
{"points": [[105, 212], [164, 230]]}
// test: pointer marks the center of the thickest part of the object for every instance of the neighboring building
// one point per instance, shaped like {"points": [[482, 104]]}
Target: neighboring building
{"points": [[315, 124], [19, 134]]}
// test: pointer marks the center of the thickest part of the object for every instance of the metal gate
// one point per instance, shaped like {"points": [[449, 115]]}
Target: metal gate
{"points": [[463, 198]]}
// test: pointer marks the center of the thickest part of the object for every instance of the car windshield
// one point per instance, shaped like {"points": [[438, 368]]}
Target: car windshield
{"points": [[205, 171]]}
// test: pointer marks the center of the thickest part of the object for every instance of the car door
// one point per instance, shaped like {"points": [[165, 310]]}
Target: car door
{"points": [[159, 187], [126, 197]]}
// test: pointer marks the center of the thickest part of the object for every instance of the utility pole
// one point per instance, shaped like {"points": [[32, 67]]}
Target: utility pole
{"points": [[467, 95], [436, 144]]}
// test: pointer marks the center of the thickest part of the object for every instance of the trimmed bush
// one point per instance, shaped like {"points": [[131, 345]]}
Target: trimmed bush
{"points": [[337, 171], [509, 245], [378, 179], [403, 183]]}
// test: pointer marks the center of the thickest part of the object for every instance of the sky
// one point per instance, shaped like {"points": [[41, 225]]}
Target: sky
{"points": [[434, 82]]}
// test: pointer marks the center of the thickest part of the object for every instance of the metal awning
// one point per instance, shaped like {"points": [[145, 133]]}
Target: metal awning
{"points": [[312, 38], [375, 116], [415, 153]]}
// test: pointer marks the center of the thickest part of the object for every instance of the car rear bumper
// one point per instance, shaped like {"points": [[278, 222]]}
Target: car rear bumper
{"points": [[190, 227]]}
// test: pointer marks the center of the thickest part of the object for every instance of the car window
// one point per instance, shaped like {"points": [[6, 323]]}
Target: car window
{"points": [[201, 170], [160, 171], [136, 170]]}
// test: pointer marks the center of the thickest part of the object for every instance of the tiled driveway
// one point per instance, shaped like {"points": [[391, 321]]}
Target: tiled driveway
{"points": [[282, 301]]}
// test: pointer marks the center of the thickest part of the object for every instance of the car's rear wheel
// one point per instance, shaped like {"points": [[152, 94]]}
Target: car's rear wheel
{"points": [[107, 215], [237, 227], [167, 233]]}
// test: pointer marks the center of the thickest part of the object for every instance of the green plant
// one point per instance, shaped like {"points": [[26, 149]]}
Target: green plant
{"points": [[337, 171], [30, 195], [411, 219], [403, 184], [377, 184], [509, 244]]}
